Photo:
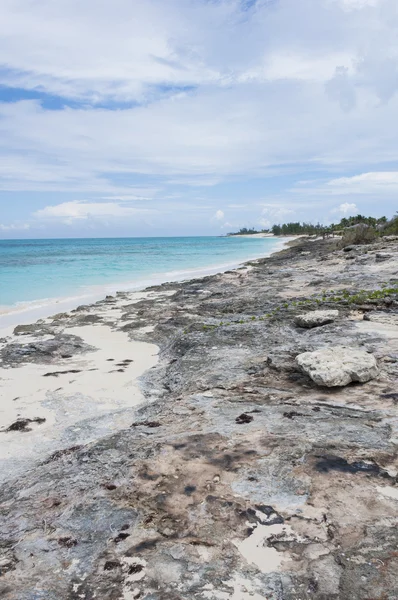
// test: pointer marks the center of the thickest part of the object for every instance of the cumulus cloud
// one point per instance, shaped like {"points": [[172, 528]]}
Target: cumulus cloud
{"points": [[346, 209], [219, 215], [227, 225]]}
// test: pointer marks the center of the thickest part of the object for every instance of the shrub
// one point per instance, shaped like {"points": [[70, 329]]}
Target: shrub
{"points": [[391, 228], [361, 234]]}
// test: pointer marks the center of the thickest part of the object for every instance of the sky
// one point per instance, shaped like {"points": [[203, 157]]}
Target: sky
{"points": [[195, 117]]}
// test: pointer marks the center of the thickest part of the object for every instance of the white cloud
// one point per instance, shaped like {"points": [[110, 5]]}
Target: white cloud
{"points": [[213, 93], [380, 185], [276, 211], [280, 66], [382, 182], [345, 209], [219, 215], [195, 181], [71, 211], [85, 150], [273, 213], [101, 50], [59, 48], [147, 194], [359, 4], [227, 225], [14, 227]]}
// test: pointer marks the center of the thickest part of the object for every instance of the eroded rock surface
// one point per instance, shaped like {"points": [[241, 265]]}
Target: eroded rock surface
{"points": [[47, 351], [239, 478], [316, 318]]}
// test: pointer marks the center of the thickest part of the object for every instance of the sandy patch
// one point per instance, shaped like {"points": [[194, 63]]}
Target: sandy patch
{"points": [[94, 400], [256, 551]]}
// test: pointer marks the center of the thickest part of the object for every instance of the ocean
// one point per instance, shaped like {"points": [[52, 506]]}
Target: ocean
{"points": [[45, 276]]}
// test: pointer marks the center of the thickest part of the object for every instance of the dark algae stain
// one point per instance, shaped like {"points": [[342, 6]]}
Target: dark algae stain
{"points": [[23, 424], [329, 462]]}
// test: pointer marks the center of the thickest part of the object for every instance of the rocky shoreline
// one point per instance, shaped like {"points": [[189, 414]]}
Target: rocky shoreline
{"points": [[239, 477]]}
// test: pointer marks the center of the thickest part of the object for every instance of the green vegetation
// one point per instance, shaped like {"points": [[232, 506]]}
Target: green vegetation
{"points": [[344, 297], [246, 231], [365, 230], [391, 228], [362, 234], [319, 229], [298, 229], [360, 219], [368, 228]]}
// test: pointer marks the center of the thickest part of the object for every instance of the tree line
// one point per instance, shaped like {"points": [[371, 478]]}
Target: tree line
{"points": [[319, 229], [381, 224]]}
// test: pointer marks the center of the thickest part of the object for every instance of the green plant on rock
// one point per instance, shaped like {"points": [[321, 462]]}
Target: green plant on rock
{"points": [[344, 296]]}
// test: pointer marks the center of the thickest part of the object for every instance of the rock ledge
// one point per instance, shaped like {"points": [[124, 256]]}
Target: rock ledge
{"points": [[339, 366]]}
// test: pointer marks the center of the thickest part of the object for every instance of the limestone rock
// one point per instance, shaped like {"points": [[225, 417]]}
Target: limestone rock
{"points": [[382, 317], [316, 318], [338, 366]]}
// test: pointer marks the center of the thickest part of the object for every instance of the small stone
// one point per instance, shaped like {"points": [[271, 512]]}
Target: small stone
{"points": [[338, 366], [243, 419], [316, 318]]}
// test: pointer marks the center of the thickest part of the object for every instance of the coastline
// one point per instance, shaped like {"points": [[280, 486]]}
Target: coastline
{"points": [[226, 454], [73, 395], [256, 235], [26, 312]]}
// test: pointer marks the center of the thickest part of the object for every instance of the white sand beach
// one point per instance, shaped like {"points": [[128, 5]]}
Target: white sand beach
{"points": [[81, 398]]}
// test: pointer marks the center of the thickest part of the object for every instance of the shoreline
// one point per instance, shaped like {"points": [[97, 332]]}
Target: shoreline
{"points": [[75, 400], [235, 458], [256, 235], [92, 416], [25, 312]]}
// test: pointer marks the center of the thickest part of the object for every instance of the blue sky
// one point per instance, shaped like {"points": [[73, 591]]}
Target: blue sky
{"points": [[183, 117]]}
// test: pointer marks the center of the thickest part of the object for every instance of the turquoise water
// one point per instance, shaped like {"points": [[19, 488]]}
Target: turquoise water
{"points": [[40, 271]]}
